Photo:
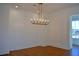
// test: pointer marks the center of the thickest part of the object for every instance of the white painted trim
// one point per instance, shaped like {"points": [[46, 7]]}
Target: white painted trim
{"points": [[70, 31], [5, 52]]}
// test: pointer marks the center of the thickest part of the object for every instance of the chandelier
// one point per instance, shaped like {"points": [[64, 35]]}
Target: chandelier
{"points": [[39, 19]]}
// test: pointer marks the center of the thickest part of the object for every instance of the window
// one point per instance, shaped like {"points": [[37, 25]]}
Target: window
{"points": [[75, 29]]}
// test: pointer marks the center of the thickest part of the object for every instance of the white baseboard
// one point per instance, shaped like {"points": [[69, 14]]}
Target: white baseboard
{"points": [[6, 52]]}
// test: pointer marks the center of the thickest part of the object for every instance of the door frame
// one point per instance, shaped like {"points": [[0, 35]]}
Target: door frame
{"points": [[70, 30]]}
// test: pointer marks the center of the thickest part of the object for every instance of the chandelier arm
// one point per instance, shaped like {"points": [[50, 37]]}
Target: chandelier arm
{"points": [[38, 7], [41, 10]]}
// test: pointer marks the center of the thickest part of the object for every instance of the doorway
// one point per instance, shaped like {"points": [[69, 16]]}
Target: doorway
{"points": [[74, 35]]}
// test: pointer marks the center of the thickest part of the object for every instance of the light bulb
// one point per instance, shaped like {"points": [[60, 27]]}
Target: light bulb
{"points": [[17, 6]]}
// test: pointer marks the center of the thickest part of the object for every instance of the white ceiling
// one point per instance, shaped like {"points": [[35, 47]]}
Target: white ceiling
{"points": [[47, 7]]}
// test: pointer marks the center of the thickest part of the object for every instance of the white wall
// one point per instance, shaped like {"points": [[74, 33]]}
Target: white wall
{"points": [[59, 27], [24, 34], [16, 31], [4, 17]]}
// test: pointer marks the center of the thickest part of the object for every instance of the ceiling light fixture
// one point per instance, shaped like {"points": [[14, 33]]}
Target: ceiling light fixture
{"points": [[16, 6], [39, 19]]}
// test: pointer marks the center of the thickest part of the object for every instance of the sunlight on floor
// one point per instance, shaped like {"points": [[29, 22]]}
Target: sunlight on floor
{"points": [[75, 51]]}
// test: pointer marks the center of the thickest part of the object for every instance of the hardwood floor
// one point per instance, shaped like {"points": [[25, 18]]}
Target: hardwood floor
{"points": [[40, 51], [45, 51]]}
